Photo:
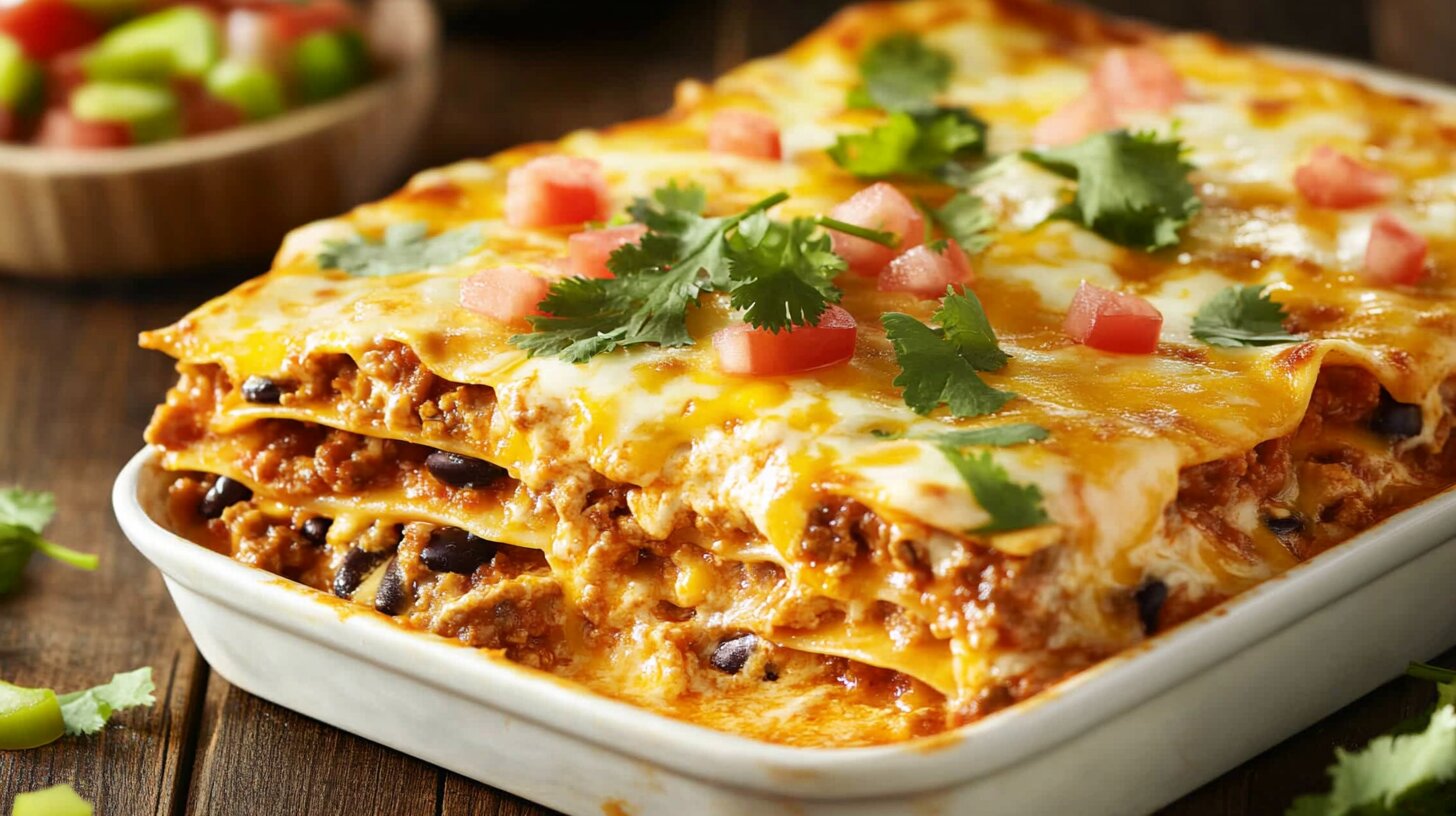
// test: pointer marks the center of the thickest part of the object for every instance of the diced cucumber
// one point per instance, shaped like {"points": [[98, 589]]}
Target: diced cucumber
{"points": [[181, 41], [29, 717], [20, 79], [254, 90], [61, 800], [329, 63], [151, 111]]}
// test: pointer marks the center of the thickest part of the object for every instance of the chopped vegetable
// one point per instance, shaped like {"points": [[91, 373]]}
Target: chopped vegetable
{"points": [[913, 144], [1396, 254], [1242, 316], [61, 129], [1138, 79], [23, 515], [45, 28], [328, 64], [1083, 116], [506, 293], [744, 349], [1113, 321], [58, 800], [554, 191], [878, 207], [744, 133], [938, 366], [20, 77], [1333, 180], [253, 90], [87, 712], [404, 247], [150, 112], [1011, 506], [179, 41], [29, 717], [901, 73], [926, 270], [587, 251], [1132, 188], [1407, 774]]}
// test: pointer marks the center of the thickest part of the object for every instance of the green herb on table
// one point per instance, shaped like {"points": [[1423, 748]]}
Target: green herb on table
{"points": [[23, 515], [1401, 774], [57, 800], [1132, 188], [939, 366], [405, 247], [32, 717], [1242, 316]]}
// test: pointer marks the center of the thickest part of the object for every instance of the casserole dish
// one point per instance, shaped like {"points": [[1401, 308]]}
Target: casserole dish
{"points": [[1147, 726]]}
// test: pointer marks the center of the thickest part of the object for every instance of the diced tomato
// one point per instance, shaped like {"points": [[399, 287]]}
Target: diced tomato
{"points": [[1087, 114], [743, 349], [293, 21], [587, 251], [879, 207], [204, 113], [505, 293], [1138, 79], [64, 74], [1395, 254], [1336, 181], [924, 272], [554, 190], [744, 133], [9, 125], [45, 28], [1113, 321], [60, 129]]}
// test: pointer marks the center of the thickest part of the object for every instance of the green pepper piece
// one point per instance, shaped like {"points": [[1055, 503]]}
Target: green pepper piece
{"points": [[61, 800], [254, 90], [20, 78], [328, 64], [181, 41], [29, 717], [151, 111]]}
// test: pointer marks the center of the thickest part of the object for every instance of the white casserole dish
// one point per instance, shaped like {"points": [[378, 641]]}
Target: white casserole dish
{"points": [[1124, 737]]}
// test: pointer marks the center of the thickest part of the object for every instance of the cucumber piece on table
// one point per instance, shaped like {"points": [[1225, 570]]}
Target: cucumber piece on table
{"points": [[181, 41], [252, 89], [29, 717], [20, 78], [151, 111], [328, 64], [60, 800]]}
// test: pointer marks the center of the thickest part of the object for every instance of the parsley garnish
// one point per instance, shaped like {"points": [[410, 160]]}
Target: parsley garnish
{"points": [[86, 712], [938, 366], [900, 72], [913, 144], [404, 247], [1011, 506], [1242, 316], [1407, 774], [782, 274], [1132, 188], [966, 219], [23, 515]]}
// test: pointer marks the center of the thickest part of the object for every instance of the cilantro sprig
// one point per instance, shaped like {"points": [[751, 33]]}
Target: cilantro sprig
{"points": [[782, 274], [23, 515], [1132, 188], [404, 247], [967, 219], [901, 73], [1405, 774], [1011, 505], [939, 366], [88, 711], [1014, 433], [1242, 316]]}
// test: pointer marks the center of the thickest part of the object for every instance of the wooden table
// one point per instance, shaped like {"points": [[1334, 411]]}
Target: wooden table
{"points": [[75, 394]]}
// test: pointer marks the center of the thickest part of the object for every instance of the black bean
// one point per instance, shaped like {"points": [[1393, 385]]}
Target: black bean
{"points": [[355, 567], [462, 471], [223, 494], [391, 598], [1397, 420], [771, 673], [316, 530], [451, 549], [732, 653], [1283, 526], [262, 390], [1150, 598]]}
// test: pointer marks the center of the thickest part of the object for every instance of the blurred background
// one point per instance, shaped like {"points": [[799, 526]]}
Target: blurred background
{"points": [[560, 66]]}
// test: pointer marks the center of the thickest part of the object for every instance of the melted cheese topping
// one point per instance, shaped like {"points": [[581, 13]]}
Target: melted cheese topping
{"points": [[760, 454]]}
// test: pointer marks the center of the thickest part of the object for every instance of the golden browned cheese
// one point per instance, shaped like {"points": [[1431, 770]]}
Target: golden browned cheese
{"points": [[677, 508]]}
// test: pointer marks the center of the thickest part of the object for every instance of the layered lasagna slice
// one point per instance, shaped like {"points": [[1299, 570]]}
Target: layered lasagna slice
{"points": [[873, 389]]}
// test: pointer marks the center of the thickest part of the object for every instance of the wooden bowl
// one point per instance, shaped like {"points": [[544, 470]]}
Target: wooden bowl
{"points": [[181, 205]]}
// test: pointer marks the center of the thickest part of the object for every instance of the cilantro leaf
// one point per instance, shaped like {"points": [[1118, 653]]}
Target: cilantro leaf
{"points": [[23, 515], [86, 712], [900, 72], [938, 366], [682, 255], [912, 144], [782, 274], [966, 219], [404, 247], [1011, 506], [1132, 188], [999, 436], [1242, 316]]}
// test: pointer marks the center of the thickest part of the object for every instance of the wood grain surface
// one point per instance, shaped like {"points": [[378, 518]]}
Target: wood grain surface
{"points": [[75, 394]]}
